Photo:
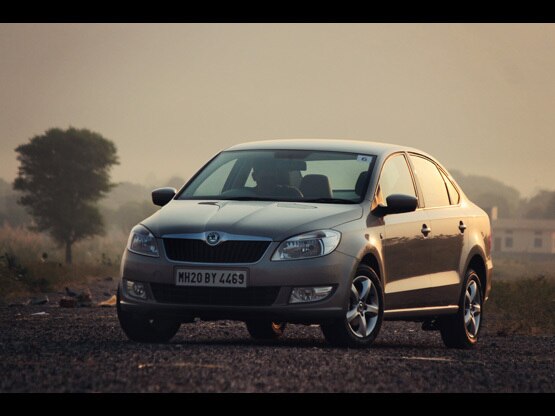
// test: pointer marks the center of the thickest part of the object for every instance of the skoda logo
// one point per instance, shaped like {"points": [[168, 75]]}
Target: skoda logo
{"points": [[213, 238]]}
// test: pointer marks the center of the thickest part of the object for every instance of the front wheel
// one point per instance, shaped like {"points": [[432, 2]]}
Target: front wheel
{"points": [[461, 329], [364, 316], [140, 328]]}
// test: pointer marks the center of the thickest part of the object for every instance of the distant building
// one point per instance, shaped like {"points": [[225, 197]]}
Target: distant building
{"points": [[518, 235]]}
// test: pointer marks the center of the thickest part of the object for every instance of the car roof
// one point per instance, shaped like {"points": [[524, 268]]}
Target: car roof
{"points": [[339, 145]]}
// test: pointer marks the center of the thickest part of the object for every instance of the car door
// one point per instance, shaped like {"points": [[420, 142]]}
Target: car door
{"points": [[447, 223], [406, 254]]}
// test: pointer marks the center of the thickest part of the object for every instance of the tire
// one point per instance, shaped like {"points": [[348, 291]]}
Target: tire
{"points": [[264, 329], [141, 328], [365, 304], [461, 330]]}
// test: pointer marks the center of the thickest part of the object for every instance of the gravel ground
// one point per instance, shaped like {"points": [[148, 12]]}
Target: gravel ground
{"points": [[84, 350]]}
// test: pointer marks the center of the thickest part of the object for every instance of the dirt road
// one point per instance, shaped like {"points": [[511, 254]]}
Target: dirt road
{"points": [[84, 350]]}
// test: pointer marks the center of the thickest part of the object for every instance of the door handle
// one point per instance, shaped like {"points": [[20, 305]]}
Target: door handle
{"points": [[425, 230], [462, 226]]}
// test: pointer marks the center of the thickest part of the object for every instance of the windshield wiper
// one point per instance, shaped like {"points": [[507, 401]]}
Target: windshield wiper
{"points": [[331, 200]]}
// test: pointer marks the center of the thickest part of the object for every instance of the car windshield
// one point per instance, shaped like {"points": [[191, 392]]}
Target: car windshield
{"points": [[283, 175]]}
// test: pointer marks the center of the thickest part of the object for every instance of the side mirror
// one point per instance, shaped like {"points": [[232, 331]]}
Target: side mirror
{"points": [[397, 204], [162, 196]]}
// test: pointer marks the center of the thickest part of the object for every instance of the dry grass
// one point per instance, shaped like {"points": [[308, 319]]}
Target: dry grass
{"points": [[523, 297], [23, 272], [525, 306], [518, 268], [29, 246]]}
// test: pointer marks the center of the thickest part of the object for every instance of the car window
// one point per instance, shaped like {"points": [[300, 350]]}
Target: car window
{"points": [[283, 175], [342, 175], [431, 181], [454, 196], [214, 184], [395, 179]]}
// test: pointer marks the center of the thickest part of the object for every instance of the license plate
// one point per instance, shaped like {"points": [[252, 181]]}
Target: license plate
{"points": [[211, 277]]}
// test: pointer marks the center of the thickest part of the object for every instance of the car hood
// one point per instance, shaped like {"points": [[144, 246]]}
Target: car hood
{"points": [[276, 220]]}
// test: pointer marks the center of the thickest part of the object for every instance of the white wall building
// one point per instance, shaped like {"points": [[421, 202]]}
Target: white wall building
{"points": [[515, 235]]}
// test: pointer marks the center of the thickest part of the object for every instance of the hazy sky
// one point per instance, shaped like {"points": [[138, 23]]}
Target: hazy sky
{"points": [[481, 98]]}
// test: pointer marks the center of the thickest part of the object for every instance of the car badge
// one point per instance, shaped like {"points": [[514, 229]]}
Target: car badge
{"points": [[212, 238]]}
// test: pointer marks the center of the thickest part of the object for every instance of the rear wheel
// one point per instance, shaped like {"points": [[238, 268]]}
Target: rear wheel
{"points": [[364, 316], [142, 328], [265, 329], [461, 330]]}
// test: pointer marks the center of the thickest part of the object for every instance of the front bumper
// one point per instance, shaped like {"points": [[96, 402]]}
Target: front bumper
{"points": [[335, 269]]}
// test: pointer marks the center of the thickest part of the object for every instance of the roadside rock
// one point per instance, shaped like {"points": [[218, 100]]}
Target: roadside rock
{"points": [[39, 300], [84, 299], [70, 292]]}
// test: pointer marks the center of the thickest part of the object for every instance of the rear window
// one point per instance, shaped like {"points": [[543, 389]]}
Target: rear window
{"points": [[454, 196], [431, 181]]}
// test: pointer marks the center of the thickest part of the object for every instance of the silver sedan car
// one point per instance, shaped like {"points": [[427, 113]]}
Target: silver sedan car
{"points": [[339, 233]]}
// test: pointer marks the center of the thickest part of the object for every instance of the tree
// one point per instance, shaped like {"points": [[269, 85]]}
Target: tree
{"points": [[550, 210], [10, 211], [487, 201], [62, 174], [488, 192], [128, 214], [541, 205]]}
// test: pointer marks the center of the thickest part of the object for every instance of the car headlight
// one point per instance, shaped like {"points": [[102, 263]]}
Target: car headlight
{"points": [[141, 241], [312, 244]]}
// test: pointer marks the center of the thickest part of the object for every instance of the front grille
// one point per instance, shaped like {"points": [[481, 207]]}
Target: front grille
{"points": [[217, 296], [181, 249]]}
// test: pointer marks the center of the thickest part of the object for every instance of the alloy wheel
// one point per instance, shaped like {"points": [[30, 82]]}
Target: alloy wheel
{"points": [[364, 306], [472, 309]]}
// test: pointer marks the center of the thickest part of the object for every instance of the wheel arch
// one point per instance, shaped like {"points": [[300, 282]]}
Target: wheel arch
{"points": [[372, 259], [476, 261]]}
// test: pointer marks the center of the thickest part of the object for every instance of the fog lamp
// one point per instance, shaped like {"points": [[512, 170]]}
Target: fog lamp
{"points": [[136, 289], [309, 294]]}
